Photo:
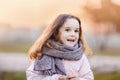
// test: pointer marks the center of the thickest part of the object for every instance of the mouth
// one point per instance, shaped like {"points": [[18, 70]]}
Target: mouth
{"points": [[71, 40]]}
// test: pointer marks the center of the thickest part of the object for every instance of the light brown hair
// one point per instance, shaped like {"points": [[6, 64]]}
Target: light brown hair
{"points": [[51, 32]]}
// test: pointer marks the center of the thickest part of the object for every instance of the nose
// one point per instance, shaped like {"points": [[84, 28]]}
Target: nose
{"points": [[72, 34]]}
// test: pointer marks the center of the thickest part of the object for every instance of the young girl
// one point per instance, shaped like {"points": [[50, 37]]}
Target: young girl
{"points": [[60, 52]]}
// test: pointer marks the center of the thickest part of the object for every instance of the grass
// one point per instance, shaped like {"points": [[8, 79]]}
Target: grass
{"points": [[107, 76], [24, 47], [12, 76], [22, 76], [15, 47], [107, 52]]}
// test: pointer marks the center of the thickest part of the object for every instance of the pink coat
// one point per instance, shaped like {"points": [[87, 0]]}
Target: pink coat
{"points": [[80, 68]]}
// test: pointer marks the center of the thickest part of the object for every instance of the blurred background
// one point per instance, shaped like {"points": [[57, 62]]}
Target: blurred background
{"points": [[22, 22]]}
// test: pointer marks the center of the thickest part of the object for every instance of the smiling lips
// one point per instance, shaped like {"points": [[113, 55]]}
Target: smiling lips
{"points": [[71, 40]]}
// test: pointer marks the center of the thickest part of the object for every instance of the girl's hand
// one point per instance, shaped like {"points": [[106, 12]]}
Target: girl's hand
{"points": [[68, 77], [75, 78]]}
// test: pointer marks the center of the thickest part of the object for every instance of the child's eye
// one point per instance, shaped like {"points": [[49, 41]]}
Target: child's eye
{"points": [[76, 30], [67, 29]]}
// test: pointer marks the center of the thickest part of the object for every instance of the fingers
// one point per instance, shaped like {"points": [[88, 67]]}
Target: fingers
{"points": [[63, 78], [68, 77], [74, 79]]}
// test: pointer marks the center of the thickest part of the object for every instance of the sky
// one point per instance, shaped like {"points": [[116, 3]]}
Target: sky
{"points": [[31, 13], [35, 13]]}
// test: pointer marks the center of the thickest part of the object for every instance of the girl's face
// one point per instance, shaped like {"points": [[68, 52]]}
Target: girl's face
{"points": [[69, 32]]}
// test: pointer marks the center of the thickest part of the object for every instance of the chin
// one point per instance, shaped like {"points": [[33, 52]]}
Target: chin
{"points": [[70, 45]]}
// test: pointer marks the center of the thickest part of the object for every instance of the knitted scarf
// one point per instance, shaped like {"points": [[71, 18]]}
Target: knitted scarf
{"points": [[53, 53]]}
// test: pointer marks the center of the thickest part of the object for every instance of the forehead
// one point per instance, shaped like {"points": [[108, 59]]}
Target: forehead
{"points": [[71, 22]]}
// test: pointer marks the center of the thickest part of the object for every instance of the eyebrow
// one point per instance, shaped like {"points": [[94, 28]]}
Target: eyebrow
{"points": [[70, 27]]}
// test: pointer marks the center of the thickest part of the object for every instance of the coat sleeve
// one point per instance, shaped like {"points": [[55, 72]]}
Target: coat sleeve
{"points": [[36, 75], [85, 72]]}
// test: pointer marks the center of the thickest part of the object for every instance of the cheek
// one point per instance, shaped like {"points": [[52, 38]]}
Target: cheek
{"points": [[78, 36], [63, 34], [62, 38]]}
